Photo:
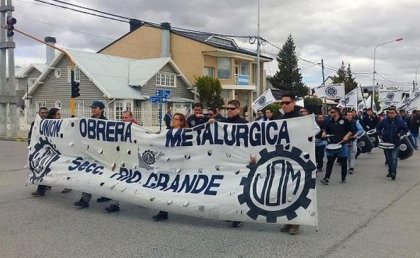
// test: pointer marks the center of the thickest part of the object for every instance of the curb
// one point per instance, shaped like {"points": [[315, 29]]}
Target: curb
{"points": [[14, 139]]}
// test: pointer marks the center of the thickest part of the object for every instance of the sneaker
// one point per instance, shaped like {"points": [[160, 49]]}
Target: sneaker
{"points": [[325, 181], [102, 199], [66, 190], [351, 171], [160, 216], [81, 204], [343, 181], [393, 176], [237, 224], [112, 208], [294, 229], [285, 228], [389, 175]]}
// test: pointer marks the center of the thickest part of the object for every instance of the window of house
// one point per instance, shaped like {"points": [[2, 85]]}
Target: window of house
{"points": [[208, 71], [223, 67], [80, 108], [128, 106], [254, 73], [76, 74], [119, 108], [57, 73], [39, 104], [165, 79], [244, 68]]}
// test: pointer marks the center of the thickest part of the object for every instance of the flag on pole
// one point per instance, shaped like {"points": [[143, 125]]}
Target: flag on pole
{"points": [[351, 99], [264, 100], [332, 91]]}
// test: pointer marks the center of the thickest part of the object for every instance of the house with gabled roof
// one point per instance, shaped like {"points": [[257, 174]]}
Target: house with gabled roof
{"points": [[196, 54], [121, 83]]}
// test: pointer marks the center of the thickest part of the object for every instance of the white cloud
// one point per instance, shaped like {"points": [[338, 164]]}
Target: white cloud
{"points": [[334, 30]]}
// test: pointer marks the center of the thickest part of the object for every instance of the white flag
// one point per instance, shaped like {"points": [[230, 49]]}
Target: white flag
{"points": [[264, 100], [351, 99], [332, 91], [389, 98], [366, 103]]}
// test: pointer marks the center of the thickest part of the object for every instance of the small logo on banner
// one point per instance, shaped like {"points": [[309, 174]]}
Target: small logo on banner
{"points": [[278, 184], [262, 101], [42, 155], [331, 91], [390, 96], [149, 157]]}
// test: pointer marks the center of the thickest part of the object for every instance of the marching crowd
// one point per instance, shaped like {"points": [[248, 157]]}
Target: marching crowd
{"points": [[340, 137]]}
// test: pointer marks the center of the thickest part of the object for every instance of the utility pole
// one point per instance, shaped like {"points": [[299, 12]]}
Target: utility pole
{"points": [[8, 116], [323, 73]]}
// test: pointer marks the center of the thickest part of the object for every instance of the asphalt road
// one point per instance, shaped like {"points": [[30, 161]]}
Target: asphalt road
{"points": [[369, 216]]}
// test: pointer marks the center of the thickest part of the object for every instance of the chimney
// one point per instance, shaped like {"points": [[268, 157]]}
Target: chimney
{"points": [[166, 39], [135, 24], [50, 52]]}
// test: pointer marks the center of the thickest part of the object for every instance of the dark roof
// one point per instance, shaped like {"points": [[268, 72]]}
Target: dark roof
{"points": [[203, 37]]}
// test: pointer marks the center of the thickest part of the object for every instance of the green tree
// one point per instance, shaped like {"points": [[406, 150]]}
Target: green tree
{"points": [[345, 75], [209, 90], [313, 104], [288, 77]]}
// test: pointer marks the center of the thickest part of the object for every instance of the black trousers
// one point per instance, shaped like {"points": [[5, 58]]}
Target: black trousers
{"points": [[319, 156], [41, 189], [330, 164]]}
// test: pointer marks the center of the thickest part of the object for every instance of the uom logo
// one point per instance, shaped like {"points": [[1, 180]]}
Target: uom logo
{"points": [[331, 91], [278, 184], [40, 158]]}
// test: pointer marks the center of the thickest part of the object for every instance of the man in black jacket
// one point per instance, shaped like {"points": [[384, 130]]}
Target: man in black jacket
{"points": [[97, 109], [234, 108], [290, 111], [197, 118]]}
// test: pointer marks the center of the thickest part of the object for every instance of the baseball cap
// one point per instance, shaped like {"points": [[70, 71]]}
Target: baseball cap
{"points": [[98, 104]]}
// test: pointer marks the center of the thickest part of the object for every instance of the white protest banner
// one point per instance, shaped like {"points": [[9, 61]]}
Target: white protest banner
{"points": [[202, 172], [332, 91], [264, 100]]}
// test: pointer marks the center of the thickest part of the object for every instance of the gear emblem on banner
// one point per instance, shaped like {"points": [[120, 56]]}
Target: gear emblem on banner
{"points": [[41, 156], [258, 197], [390, 96], [331, 91]]}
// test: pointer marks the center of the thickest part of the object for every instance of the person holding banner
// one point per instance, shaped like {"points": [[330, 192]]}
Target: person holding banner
{"points": [[178, 121], [215, 114], [53, 113], [390, 130], [127, 116], [97, 109], [290, 110], [197, 118], [234, 108], [338, 131]]}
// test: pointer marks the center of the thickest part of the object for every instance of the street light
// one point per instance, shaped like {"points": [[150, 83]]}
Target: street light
{"points": [[374, 65]]}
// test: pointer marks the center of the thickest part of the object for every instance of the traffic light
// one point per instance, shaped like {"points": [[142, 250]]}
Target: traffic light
{"points": [[10, 26], [75, 89]]}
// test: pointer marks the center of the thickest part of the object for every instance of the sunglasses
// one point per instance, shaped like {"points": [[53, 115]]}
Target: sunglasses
{"points": [[231, 108], [285, 102]]}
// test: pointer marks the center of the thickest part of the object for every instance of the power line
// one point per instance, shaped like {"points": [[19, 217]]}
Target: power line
{"points": [[91, 9], [80, 11]]}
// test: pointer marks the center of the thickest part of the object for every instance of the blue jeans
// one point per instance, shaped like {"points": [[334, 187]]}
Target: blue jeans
{"points": [[391, 157], [414, 137]]}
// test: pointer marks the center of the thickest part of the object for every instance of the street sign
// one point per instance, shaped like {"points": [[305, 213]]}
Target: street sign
{"points": [[155, 99]]}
